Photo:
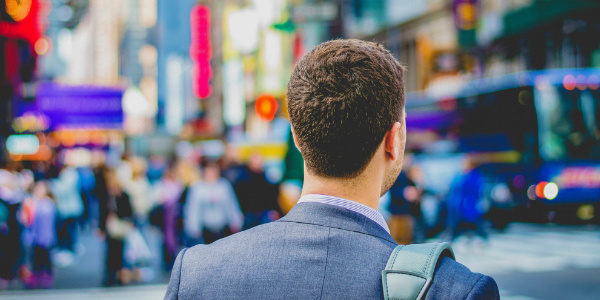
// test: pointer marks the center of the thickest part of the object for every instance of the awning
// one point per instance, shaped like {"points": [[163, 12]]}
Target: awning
{"points": [[542, 12]]}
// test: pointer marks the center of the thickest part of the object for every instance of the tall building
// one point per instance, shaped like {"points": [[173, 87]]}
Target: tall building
{"points": [[422, 35]]}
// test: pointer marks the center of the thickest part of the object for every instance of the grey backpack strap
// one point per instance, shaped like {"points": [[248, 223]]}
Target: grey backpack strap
{"points": [[409, 270]]}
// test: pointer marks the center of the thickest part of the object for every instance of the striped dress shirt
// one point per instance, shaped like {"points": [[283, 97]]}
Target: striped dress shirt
{"points": [[356, 207]]}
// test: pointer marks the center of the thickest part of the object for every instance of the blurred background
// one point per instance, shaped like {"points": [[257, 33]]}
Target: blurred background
{"points": [[133, 128]]}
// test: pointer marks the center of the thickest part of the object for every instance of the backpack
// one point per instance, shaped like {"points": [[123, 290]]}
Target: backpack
{"points": [[409, 270]]}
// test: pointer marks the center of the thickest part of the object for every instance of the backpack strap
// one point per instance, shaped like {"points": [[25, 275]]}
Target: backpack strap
{"points": [[409, 270]]}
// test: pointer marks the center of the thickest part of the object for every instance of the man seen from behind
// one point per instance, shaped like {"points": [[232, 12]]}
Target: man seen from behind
{"points": [[346, 107]]}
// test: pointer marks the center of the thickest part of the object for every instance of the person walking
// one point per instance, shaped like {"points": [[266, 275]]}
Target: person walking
{"points": [[138, 189], [69, 206], [169, 191], [38, 216], [466, 203], [346, 106], [404, 208], [211, 210], [11, 198], [257, 196], [116, 222]]}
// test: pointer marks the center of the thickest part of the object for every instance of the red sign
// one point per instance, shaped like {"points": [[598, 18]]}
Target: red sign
{"points": [[266, 106], [201, 51], [27, 25]]}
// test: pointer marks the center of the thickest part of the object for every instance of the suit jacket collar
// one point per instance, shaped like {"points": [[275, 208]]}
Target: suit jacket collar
{"points": [[335, 217]]}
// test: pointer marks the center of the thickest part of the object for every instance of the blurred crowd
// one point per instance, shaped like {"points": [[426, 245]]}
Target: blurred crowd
{"points": [[44, 206], [191, 199], [416, 213]]}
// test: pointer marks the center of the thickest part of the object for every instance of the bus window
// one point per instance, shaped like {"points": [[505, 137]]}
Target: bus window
{"points": [[502, 121], [568, 121]]}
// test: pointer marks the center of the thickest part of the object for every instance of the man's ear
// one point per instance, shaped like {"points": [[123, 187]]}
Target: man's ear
{"points": [[295, 139], [393, 141]]}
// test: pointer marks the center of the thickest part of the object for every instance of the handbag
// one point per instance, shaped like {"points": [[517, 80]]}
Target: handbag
{"points": [[118, 228], [136, 250]]}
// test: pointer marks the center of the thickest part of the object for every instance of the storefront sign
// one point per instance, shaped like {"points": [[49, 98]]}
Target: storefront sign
{"points": [[67, 106], [24, 20]]}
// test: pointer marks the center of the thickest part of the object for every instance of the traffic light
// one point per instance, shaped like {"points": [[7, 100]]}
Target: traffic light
{"points": [[266, 106]]}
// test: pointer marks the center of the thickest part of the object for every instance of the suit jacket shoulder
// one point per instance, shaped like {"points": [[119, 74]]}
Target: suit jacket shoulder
{"points": [[317, 251], [453, 280]]}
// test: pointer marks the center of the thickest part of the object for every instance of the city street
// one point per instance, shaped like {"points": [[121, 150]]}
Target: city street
{"points": [[208, 117], [87, 268], [538, 261], [528, 262]]}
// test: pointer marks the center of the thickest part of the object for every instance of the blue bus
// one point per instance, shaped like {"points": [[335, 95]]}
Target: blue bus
{"points": [[535, 136]]}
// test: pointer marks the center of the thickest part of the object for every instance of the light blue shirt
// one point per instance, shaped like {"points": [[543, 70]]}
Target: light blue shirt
{"points": [[213, 206], [356, 207]]}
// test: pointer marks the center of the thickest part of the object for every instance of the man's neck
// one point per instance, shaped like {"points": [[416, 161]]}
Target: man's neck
{"points": [[361, 189]]}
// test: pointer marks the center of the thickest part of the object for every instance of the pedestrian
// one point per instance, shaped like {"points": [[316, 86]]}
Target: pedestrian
{"points": [[257, 196], [116, 222], [466, 205], [39, 217], [69, 206], [90, 202], [187, 172], [231, 165], [346, 106], [211, 210], [156, 168], [138, 189], [11, 197], [404, 207], [169, 191]]}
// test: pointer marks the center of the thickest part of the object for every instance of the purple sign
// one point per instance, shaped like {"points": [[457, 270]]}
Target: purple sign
{"points": [[69, 106], [436, 120]]}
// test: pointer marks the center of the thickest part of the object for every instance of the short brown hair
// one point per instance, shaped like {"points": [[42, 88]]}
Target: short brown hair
{"points": [[343, 96]]}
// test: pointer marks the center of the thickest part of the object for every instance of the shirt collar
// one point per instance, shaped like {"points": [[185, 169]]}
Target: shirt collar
{"points": [[354, 206]]}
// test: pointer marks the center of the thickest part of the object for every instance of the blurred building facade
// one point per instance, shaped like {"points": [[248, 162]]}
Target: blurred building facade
{"points": [[512, 84], [195, 69], [445, 43], [80, 51], [21, 28]]}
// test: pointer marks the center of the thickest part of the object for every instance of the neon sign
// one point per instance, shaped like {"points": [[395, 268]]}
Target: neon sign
{"points": [[465, 14], [201, 51], [266, 106], [27, 23], [18, 9], [575, 177]]}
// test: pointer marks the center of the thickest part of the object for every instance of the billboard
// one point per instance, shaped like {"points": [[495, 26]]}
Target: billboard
{"points": [[76, 106]]}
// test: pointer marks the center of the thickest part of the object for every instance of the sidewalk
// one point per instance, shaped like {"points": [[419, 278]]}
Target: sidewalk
{"points": [[149, 292]]}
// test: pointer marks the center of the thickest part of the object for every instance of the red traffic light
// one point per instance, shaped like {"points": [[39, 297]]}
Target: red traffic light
{"points": [[266, 106]]}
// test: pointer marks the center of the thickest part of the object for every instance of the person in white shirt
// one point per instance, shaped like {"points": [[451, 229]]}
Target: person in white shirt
{"points": [[211, 209]]}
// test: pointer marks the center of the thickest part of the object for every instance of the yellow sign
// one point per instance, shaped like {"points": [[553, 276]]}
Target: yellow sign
{"points": [[18, 9]]}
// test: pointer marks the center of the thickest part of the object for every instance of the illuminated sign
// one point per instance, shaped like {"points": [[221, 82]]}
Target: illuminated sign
{"points": [[266, 106], [22, 144], [465, 14], [30, 122], [27, 19], [579, 177], [78, 106], [18, 9], [201, 51]]}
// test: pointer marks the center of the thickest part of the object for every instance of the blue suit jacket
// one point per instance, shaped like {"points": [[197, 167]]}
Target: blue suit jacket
{"points": [[317, 251]]}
